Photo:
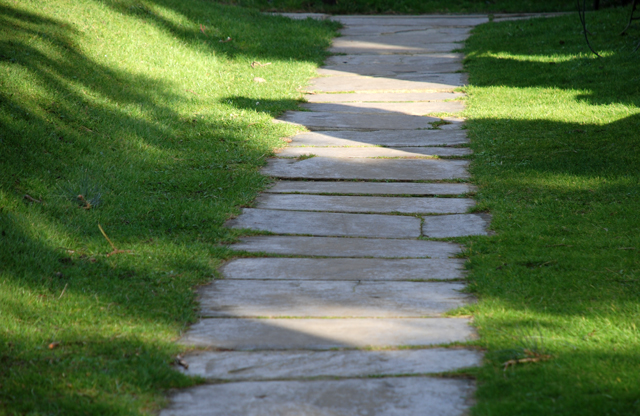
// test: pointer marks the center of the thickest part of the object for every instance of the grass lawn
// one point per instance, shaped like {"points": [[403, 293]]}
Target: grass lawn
{"points": [[556, 135], [148, 119]]}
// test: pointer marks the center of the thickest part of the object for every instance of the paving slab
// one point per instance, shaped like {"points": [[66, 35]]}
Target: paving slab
{"points": [[347, 247], [321, 298], [423, 82], [270, 365], [393, 62], [386, 138], [328, 223], [414, 109], [382, 97], [372, 188], [370, 151], [278, 268], [404, 21], [432, 34], [385, 45], [302, 16], [412, 73], [455, 225], [375, 204], [355, 121], [324, 334], [375, 397], [363, 168]]}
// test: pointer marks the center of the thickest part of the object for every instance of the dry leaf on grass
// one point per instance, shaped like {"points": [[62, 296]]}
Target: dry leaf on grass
{"points": [[258, 79], [255, 64], [533, 357]]}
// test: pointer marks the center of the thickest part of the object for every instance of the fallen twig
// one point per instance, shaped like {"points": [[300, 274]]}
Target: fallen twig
{"points": [[32, 199], [63, 290], [115, 249], [258, 64], [533, 358]]}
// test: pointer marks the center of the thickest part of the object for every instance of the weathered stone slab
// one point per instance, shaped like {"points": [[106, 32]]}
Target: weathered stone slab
{"points": [[396, 62], [425, 82], [412, 73], [279, 268], [380, 397], [387, 138], [353, 121], [455, 225], [328, 223], [382, 97], [324, 334], [301, 16], [347, 247], [398, 30], [270, 365], [321, 298], [403, 152], [362, 168], [404, 21], [384, 45], [376, 204], [414, 109], [373, 188]]}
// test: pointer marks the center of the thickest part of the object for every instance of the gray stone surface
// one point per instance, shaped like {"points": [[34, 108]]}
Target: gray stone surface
{"points": [[455, 225], [346, 269], [388, 397], [302, 16], [328, 223], [381, 138], [429, 33], [383, 97], [347, 247], [420, 21], [370, 151], [390, 44], [270, 365], [324, 334], [373, 188], [376, 204], [395, 62], [363, 168], [320, 298], [413, 109], [428, 82], [354, 121]]}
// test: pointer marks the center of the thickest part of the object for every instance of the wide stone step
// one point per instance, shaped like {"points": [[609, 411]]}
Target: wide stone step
{"points": [[382, 97], [376, 397], [301, 269], [414, 109], [347, 247], [325, 334], [377, 204], [365, 121], [374, 188], [408, 138], [318, 298], [443, 226], [271, 365], [362, 168], [432, 34], [370, 151], [425, 82], [404, 21], [384, 45], [404, 62]]}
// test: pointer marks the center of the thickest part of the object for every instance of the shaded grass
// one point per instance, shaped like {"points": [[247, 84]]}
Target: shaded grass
{"points": [[140, 108], [555, 132]]}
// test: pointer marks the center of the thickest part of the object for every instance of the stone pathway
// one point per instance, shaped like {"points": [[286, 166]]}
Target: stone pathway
{"points": [[358, 293]]}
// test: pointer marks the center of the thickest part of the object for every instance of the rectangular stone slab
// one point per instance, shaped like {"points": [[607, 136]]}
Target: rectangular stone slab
{"points": [[383, 97], [270, 365], [379, 397], [381, 138], [353, 121], [413, 109], [381, 45], [394, 62], [347, 247], [325, 334], [279, 268], [455, 225], [404, 21], [370, 151], [377, 204], [411, 72], [373, 188], [428, 82], [362, 168], [328, 223], [394, 30], [321, 298]]}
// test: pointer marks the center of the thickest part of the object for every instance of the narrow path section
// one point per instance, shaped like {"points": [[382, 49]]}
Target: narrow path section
{"points": [[360, 292]]}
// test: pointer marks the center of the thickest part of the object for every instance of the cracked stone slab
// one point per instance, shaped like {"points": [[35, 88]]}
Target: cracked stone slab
{"points": [[370, 151], [270, 365], [278, 268], [413, 109], [421, 21], [321, 298], [376, 204], [357, 121], [386, 138], [373, 188], [460, 225], [379, 397], [383, 97], [424, 82], [323, 334], [398, 30], [385, 45], [347, 247], [363, 168], [328, 223]]}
